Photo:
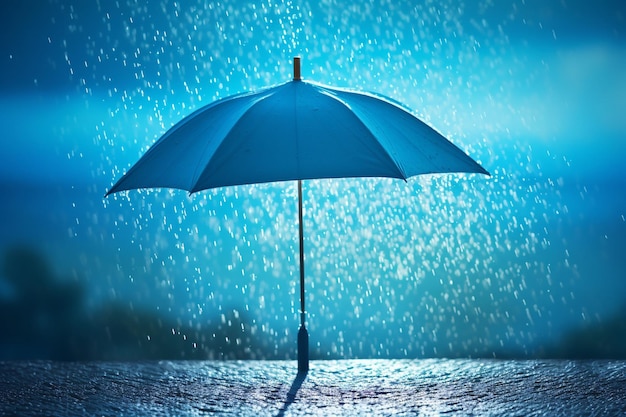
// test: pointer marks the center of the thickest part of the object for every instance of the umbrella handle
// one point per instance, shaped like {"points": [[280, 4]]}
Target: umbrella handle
{"points": [[303, 350]]}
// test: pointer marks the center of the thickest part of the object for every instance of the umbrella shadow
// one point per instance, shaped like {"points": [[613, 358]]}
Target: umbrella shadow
{"points": [[291, 395]]}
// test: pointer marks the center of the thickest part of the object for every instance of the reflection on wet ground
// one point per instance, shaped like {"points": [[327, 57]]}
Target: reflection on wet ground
{"points": [[347, 387]]}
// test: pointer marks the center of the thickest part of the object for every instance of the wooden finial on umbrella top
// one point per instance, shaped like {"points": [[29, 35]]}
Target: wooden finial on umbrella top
{"points": [[296, 69]]}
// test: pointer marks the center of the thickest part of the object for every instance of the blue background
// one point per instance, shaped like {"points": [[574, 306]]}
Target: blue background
{"points": [[528, 263]]}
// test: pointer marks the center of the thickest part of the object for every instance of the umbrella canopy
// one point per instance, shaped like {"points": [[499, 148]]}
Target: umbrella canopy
{"points": [[294, 131], [298, 130]]}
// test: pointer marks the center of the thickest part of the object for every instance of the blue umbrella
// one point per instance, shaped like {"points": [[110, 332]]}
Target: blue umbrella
{"points": [[294, 131]]}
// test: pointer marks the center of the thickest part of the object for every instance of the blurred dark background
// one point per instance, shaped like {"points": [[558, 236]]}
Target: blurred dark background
{"points": [[44, 317]]}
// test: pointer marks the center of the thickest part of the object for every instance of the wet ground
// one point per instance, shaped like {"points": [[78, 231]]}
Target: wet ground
{"points": [[347, 387]]}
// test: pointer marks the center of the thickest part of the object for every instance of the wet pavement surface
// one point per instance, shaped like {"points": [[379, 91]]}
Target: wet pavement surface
{"points": [[346, 387]]}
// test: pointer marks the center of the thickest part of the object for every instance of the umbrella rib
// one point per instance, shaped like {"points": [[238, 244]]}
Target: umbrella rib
{"points": [[197, 173], [400, 171], [200, 170], [451, 150]]}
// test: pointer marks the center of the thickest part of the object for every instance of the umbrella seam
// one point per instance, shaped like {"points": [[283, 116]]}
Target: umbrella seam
{"points": [[199, 173], [367, 128], [477, 168]]}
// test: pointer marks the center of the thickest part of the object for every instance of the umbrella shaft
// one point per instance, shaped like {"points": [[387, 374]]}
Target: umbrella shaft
{"points": [[301, 230]]}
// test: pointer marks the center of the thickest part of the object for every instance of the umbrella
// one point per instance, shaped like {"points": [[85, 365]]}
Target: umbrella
{"points": [[297, 130]]}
